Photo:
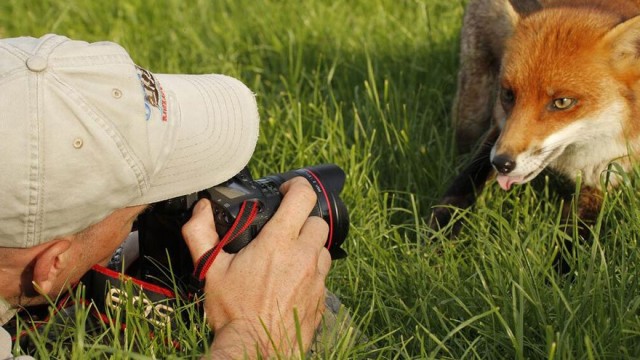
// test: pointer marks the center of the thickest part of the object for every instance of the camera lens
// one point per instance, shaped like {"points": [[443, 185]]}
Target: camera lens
{"points": [[327, 181]]}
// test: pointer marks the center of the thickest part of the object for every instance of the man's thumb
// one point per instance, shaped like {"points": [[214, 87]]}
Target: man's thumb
{"points": [[200, 231]]}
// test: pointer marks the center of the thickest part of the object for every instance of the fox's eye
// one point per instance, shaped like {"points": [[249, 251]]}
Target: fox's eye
{"points": [[507, 97], [563, 103]]}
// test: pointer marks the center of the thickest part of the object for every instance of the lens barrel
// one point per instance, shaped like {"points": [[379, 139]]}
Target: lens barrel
{"points": [[327, 180]]}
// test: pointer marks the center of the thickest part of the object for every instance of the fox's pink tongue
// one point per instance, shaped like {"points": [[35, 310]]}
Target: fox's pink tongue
{"points": [[506, 181]]}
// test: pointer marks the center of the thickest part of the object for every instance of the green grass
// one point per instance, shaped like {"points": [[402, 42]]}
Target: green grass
{"points": [[367, 84]]}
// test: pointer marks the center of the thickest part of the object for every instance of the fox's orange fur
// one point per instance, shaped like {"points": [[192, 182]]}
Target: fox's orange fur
{"points": [[557, 86], [580, 56], [487, 26]]}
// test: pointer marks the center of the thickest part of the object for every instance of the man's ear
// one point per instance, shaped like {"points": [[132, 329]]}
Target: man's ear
{"points": [[623, 43], [49, 264]]}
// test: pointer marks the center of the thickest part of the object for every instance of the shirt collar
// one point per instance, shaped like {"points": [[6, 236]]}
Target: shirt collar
{"points": [[6, 311]]}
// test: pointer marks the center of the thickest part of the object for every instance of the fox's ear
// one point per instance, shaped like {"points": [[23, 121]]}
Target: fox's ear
{"points": [[624, 43], [516, 10]]}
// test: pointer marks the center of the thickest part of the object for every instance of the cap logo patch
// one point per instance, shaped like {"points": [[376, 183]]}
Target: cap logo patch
{"points": [[154, 95]]}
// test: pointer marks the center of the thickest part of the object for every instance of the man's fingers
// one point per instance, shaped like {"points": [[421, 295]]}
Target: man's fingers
{"points": [[200, 231], [297, 203], [324, 262], [314, 232]]}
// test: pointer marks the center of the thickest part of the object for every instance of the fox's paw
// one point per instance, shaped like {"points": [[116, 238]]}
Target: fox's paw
{"points": [[443, 213]]}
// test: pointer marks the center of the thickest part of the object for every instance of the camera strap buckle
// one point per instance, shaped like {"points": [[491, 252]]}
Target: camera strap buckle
{"points": [[246, 215]]}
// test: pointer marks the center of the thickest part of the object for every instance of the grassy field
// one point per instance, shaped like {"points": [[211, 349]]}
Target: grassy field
{"points": [[367, 84]]}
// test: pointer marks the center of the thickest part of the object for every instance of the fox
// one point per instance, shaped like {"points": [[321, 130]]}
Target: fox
{"points": [[546, 85]]}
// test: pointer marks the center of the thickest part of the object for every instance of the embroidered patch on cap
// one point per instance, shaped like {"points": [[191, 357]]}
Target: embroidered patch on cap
{"points": [[153, 93]]}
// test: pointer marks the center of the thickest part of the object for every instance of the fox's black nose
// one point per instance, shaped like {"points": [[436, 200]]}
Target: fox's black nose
{"points": [[503, 163]]}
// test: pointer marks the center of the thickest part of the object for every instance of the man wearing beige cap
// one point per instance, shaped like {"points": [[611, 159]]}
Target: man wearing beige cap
{"points": [[88, 138]]}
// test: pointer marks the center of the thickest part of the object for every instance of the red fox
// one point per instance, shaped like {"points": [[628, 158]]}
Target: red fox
{"points": [[557, 85]]}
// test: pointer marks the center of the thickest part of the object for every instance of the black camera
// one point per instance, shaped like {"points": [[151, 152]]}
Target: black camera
{"points": [[163, 251]]}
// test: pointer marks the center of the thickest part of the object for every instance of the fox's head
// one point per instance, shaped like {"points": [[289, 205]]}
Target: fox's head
{"points": [[569, 85]]}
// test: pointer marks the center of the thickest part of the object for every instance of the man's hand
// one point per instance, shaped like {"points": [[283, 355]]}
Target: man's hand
{"points": [[255, 298]]}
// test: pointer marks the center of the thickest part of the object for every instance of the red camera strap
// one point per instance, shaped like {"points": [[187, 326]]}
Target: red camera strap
{"points": [[246, 215]]}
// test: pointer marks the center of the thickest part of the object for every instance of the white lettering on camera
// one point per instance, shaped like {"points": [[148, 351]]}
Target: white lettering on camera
{"points": [[157, 314]]}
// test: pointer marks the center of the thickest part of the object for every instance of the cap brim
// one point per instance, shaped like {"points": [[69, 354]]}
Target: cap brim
{"points": [[216, 130]]}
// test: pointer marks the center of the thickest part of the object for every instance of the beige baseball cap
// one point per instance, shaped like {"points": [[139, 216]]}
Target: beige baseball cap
{"points": [[84, 131]]}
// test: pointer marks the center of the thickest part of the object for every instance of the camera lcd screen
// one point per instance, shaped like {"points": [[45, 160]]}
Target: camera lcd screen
{"points": [[232, 191]]}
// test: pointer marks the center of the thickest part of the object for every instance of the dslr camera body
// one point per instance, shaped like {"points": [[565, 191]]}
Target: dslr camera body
{"points": [[164, 256]]}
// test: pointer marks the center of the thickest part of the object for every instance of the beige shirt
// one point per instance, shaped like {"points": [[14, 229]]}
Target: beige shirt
{"points": [[5, 347], [6, 312]]}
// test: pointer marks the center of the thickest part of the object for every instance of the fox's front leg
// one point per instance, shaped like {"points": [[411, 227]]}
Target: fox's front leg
{"points": [[464, 188], [588, 206]]}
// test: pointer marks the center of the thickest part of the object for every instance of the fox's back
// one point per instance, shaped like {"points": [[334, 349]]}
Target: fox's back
{"points": [[625, 8]]}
